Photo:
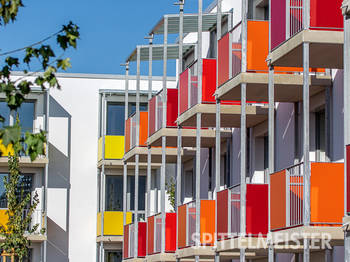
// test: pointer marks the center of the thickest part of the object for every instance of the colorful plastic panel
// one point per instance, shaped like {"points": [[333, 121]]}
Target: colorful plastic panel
{"points": [[348, 177], [172, 107], [152, 115], [127, 134], [150, 235], [257, 209], [327, 194], [278, 200], [126, 242], [113, 223], [143, 128], [184, 91], [326, 15], [142, 239], [181, 229], [207, 222], [278, 22], [223, 59], [170, 232], [222, 216], [208, 80]]}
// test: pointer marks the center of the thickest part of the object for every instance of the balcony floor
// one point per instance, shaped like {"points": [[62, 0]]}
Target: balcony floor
{"points": [[188, 137], [161, 257], [26, 162], [109, 239], [230, 115], [118, 164], [326, 50], [156, 155], [288, 87], [204, 252]]}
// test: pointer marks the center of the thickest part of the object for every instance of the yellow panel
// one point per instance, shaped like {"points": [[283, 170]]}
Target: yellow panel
{"points": [[113, 223], [3, 217], [114, 147], [99, 224], [5, 151], [99, 148]]}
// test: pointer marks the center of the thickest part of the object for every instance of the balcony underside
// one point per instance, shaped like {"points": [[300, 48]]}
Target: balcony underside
{"points": [[230, 116], [156, 155], [34, 238], [138, 259], [290, 235], [326, 50], [204, 252], [118, 164], [188, 137], [161, 257], [109, 239], [26, 162], [288, 87]]}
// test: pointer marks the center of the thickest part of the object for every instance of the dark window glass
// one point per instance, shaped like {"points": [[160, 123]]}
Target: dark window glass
{"points": [[114, 193], [132, 108], [142, 192], [113, 256], [25, 184], [26, 116], [4, 112], [115, 119]]}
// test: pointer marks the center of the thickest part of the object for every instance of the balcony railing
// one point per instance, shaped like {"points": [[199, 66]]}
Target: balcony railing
{"points": [[130, 131], [113, 223], [189, 84], [154, 233], [229, 221], [155, 113], [129, 240], [187, 224], [287, 18], [326, 191], [114, 147]]}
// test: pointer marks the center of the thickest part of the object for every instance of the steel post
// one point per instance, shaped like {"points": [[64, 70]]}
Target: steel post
{"points": [[149, 156], [125, 167]]}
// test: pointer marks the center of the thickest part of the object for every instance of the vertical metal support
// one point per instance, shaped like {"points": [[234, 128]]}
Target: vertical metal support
{"points": [[306, 147], [149, 155], [125, 167], [164, 99], [243, 127], [198, 125], [346, 13], [137, 156], [179, 135], [217, 255], [102, 188]]}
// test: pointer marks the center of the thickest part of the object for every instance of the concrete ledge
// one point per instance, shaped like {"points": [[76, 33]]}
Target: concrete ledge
{"points": [[161, 257], [249, 243], [35, 238], [26, 162], [109, 239], [288, 87], [230, 115], [118, 164], [206, 252], [139, 259], [326, 50], [188, 137]]}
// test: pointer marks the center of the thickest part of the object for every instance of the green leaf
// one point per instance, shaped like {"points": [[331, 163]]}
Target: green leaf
{"points": [[10, 134], [25, 86], [64, 64]]}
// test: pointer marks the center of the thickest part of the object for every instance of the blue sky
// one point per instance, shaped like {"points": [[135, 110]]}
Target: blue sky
{"points": [[110, 29]]}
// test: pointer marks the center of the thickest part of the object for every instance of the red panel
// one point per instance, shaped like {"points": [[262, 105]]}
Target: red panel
{"points": [[127, 134], [150, 235], [126, 242], [222, 214], [152, 115], [257, 209], [348, 177], [170, 232], [172, 107], [142, 235], [184, 91], [326, 14], [209, 80], [278, 22], [223, 59]]}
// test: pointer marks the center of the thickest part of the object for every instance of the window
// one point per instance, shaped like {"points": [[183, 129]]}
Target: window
{"points": [[114, 193], [26, 115], [142, 192], [113, 256], [115, 119], [320, 136], [26, 184], [132, 108]]}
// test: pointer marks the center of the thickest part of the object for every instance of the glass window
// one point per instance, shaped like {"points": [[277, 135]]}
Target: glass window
{"points": [[113, 256], [114, 193], [4, 112], [26, 184], [115, 119], [142, 192], [26, 115], [132, 108]]}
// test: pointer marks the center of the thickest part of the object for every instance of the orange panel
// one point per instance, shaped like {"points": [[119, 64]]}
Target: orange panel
{"points": [[150, 235], [278, 200], [327, 193], [181, 230], [207, 222], [127, 134], [257, 45], [143, 128]]}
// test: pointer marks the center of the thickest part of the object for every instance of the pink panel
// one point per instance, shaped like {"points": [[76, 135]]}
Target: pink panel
{"points": [[326, 14], [278, 22], [172, 107], [184, 91], [152, 115], [223, 59]]}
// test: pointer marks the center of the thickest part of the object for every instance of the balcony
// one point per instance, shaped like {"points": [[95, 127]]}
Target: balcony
{"points": [[288, 81], [228, 222], [114, 148], [112, 226], [326, 199], [38, 218], [129, 240], [154, 233], [325, 33]]}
